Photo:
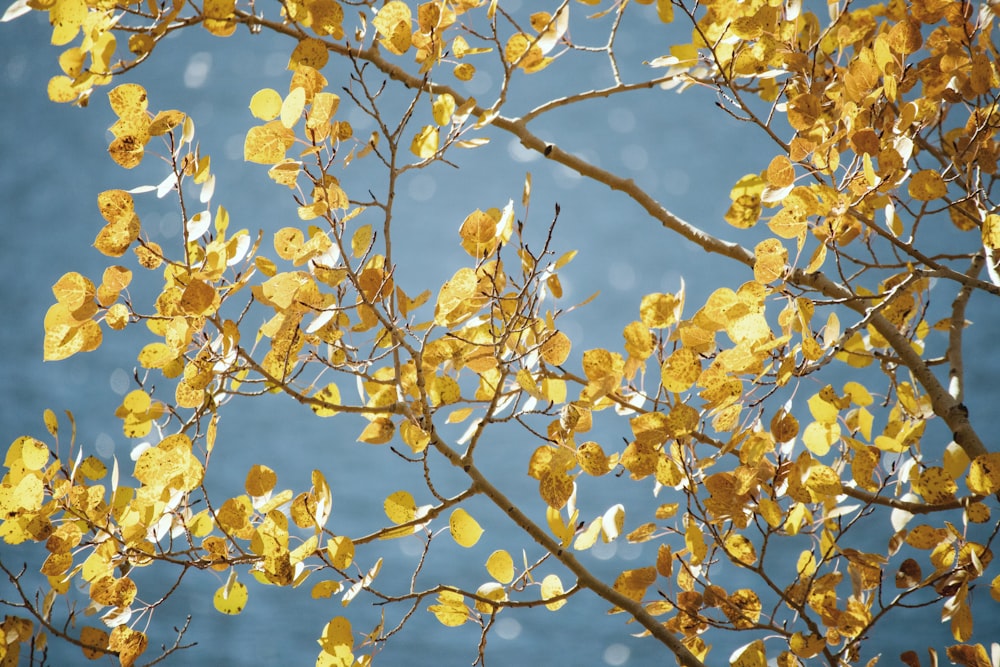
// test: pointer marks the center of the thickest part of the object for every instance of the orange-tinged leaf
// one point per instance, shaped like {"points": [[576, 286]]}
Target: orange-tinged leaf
{"points": [[260, 480], [751, 655], [780, 172], [927, 185], [129, 644], [464, 529], [93, 640]]}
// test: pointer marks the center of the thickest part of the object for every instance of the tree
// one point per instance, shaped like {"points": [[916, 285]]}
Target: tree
{"points": [[809, 469]]}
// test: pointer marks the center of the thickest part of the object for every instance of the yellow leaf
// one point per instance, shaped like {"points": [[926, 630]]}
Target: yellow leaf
{"points": [[265, 104], [443, 107], [552, 587], [695, 541], [231, 598], [780, 172], [450, 609], [292, 107], [266, 144], [337, 642], [260, 481], [393, 22], [660, 310], [129, 644], [500, 566], [400, 507], [340, 549], [984, 474], [464, 529], [378, 432], [361, 240], [73, 290], [927, 185], [665, 10], [310, 52], [555, 350], [425, 142], [771, 260], [991, 231], [680, 370], [751, 655]]}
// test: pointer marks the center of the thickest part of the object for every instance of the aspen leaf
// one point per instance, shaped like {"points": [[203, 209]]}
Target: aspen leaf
{"points": [[771, 260], [555, 350], [361, 240], [680, 370], [260, 481], [340, 550], [633, 583], [927, 185], [310, 52], [443, 107], [378, 432], [266, 104], [780, 172], [337, 642], [425, 142], [806, 646], [464, 71], [491, 590], [659, 310], [592, 459], [500, 566], [129, 644], [694, 539], [400, 507], [464, 529], [984, 474], [991, 231], [393, 23], [292, 107], [450, 609], [325, 589], [555, 488], [552, 587], [266, 144], [750, 655], [94, 640]]}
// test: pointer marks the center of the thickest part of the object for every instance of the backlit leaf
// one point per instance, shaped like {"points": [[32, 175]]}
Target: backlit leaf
{"points": [[500, 566], [464, 529], [552, 587]]}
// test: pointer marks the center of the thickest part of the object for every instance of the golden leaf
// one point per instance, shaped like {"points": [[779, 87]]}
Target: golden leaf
{"points": [[771, 261], [129, 644], [393, 22], [266, 144], [310, 52], [984, 474], [552, 587], [464, 529], [927, 185], [500, 566]]}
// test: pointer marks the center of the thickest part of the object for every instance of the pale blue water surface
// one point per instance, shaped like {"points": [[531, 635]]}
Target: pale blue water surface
{"points": [[54, 164]]}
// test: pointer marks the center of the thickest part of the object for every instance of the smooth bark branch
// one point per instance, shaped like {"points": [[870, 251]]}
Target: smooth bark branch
{"points": [[585, 577]]}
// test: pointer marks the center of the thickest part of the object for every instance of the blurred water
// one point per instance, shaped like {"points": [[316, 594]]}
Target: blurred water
{"points": [[54, 164]]}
